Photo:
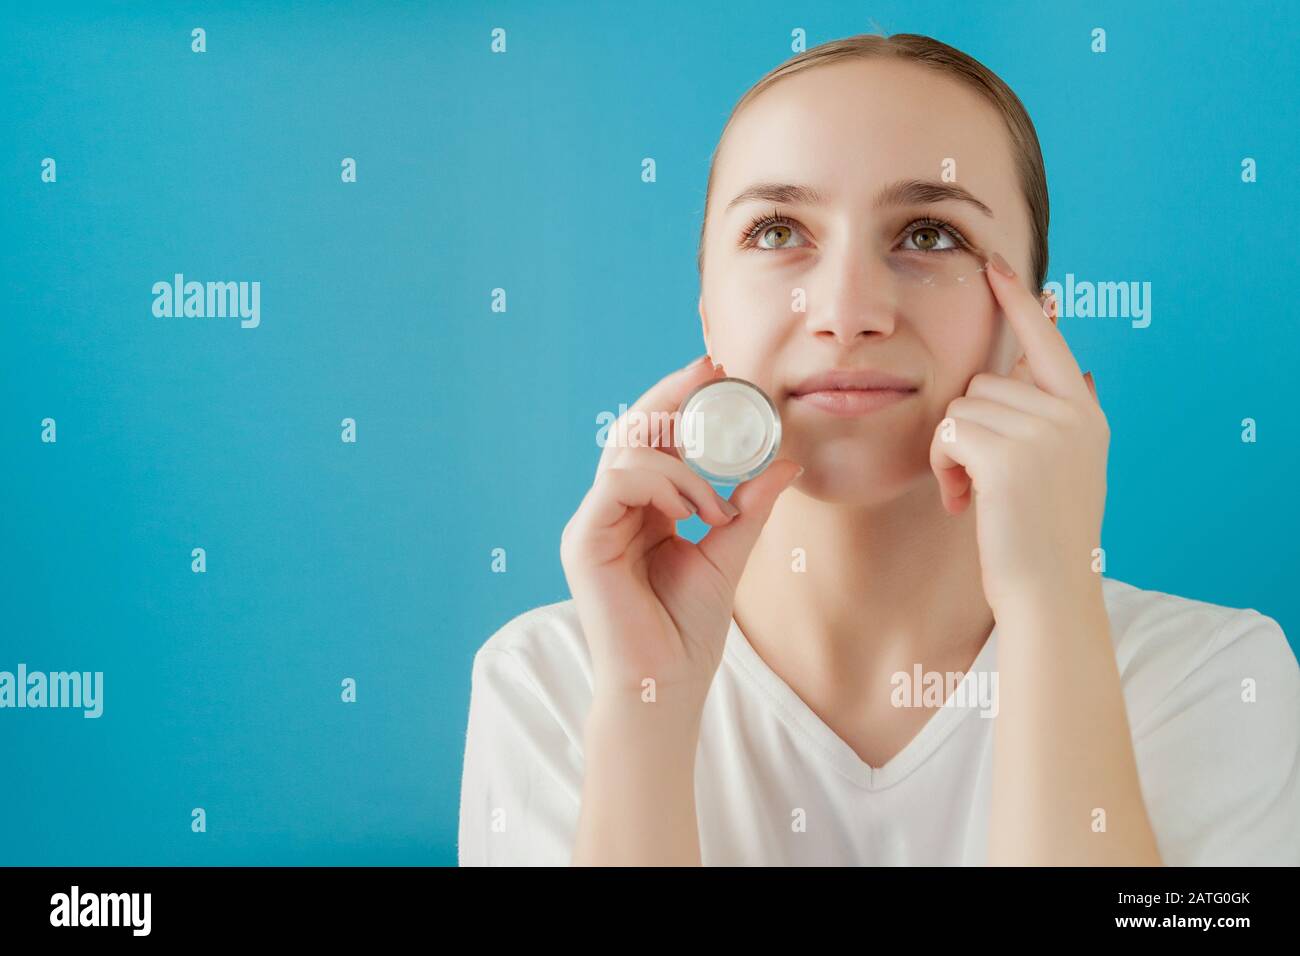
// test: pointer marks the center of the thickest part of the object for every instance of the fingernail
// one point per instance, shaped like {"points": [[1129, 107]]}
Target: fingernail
{"points": [[997, 262], [699, 361], [717, 367], [727, 507]]}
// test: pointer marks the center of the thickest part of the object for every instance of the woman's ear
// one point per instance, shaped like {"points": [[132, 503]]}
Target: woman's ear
{"points": [[704, 327]]}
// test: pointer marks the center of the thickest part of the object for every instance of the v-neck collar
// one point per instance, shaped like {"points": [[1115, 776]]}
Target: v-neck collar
{"points": [[792, 710]]}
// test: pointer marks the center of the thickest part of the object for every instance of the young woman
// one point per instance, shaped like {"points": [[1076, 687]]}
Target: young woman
{"points": [[875, 233]]}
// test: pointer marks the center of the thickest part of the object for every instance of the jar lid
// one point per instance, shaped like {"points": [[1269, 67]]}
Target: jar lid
{"points": [[729, 430]]}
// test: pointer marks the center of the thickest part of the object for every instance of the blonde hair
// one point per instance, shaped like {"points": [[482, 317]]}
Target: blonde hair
{"points": [[952, 62]]}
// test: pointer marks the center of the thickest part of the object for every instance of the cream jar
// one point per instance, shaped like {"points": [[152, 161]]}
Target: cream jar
{"points": [[729, 430]]}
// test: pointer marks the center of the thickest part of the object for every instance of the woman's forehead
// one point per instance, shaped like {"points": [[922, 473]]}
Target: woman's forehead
{"points": [[849, 128]]}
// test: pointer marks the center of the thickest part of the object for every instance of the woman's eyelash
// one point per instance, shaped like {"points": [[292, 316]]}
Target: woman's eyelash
{"points": [[932, 223], [775, 218], [756, 226]]}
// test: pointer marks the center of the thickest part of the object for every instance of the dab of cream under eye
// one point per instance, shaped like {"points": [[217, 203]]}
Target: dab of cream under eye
{"points": [[730, 430]]}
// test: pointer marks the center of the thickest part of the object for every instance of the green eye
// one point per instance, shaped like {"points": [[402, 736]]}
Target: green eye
{"points": [[784, 234], [775, 226]]}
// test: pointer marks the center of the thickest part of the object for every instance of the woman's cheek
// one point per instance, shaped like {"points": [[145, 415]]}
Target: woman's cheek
{"points": [[969, 339], [749, 350], [748, 326]]}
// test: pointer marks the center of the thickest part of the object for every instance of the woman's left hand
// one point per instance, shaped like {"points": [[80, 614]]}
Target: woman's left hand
{"points": [[1031, 447]]}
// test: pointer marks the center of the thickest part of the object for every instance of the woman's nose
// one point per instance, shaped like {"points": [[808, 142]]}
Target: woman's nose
{"points": [[852, 295]]}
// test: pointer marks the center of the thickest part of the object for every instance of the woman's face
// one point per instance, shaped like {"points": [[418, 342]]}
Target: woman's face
{"points": [[857, 268]]}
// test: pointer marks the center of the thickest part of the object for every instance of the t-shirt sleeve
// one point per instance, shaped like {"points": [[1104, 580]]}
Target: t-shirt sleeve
{"points": [[521, 783], [1220, 754]]}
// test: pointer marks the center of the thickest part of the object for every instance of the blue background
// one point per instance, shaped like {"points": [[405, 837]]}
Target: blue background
{"points": [[476, 429]]}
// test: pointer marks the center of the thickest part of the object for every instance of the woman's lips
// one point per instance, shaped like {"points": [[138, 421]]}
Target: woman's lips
{"points": [[853, 401]]}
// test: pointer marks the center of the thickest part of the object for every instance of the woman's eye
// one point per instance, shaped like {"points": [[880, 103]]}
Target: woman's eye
{"points": [[929, 239], [777, 236]]}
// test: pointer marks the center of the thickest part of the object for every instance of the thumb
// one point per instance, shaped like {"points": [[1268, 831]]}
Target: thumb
{"points": [[727, 546]]}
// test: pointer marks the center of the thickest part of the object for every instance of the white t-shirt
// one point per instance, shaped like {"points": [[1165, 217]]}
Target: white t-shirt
{"points": [[774, 785]]}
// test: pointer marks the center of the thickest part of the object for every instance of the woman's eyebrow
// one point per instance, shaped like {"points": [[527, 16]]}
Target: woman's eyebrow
{"points": [[919, 192], [788, 193], [905, 192]]}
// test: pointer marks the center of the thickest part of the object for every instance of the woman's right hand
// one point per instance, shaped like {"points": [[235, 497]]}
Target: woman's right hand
{"points": [[654, 605]]}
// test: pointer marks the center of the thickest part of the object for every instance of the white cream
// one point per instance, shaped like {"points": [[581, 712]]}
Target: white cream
{"points": [[730, 430]]}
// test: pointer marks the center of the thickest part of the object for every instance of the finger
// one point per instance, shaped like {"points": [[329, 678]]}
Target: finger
{"points": [[1051, 362], [648, 421], [951, 474], [619, 490], [1020, 370], [1003, 419], [619, 507], [639, 425], [728, 546], [1017, 392], [958, 449], [712, 507]]}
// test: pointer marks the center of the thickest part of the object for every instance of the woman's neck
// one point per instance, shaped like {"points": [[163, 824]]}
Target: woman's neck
{"points": [[882, 588]]}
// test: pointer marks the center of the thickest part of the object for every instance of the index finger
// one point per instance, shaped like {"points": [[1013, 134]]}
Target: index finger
{"points": [[662, 398], [1050, 360]]}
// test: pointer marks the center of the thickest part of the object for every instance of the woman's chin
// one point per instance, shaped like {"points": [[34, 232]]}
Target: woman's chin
{"points": [[855, 480]]}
